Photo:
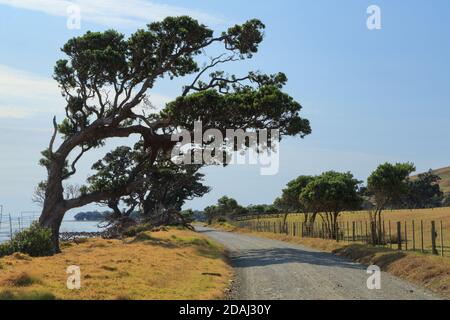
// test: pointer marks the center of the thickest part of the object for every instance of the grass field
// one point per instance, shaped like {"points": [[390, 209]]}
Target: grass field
{"points": [[173, 264], [392, 217]]}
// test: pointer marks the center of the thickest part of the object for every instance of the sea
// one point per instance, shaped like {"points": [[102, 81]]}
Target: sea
{"points": [[19, 223]]}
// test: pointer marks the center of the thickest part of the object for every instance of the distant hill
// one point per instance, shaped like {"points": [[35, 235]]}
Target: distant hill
{"points": [[90, 216], [444, 174]]}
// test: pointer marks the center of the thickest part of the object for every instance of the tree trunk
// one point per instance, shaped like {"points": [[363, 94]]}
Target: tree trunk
{"points": [[52, 218], [54, 204], [335, 225], [310, 225], [284, 222], [380, 232]]}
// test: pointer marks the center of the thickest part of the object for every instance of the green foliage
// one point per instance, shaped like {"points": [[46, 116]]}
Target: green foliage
{"points": [[114, 170], [137, 229], [331, 192], [127, 69], [289, 200], [34, 241], [389, 182], [424, 191], [262, 209], [235, 110], [226, 208]]}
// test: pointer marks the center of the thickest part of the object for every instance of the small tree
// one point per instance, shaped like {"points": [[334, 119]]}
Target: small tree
{"points": [[226, 208], [290, 202], [330, 194], [386, 184]]}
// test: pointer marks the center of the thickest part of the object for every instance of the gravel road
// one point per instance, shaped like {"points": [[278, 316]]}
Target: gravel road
{"points": [[267, 269]]}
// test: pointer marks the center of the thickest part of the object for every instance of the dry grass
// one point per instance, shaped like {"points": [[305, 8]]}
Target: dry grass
{"points": [[173, 264], [431, 272], [392, 217]]}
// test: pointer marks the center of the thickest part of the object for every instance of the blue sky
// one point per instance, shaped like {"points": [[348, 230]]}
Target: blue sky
{"points": [[371, 96]]}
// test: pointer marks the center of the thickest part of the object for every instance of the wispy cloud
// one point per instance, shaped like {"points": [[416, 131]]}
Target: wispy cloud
{"points": [[24, 94], [13, 112], [114, 13]]}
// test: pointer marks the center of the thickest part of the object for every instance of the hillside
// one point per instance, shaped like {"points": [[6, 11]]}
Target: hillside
{"points": [[444, 174]]}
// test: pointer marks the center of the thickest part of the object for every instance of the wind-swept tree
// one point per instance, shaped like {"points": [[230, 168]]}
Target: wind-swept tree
{"points": [[388, 183], [290, 201], [329, 194], [105, 77], [164, 188]]}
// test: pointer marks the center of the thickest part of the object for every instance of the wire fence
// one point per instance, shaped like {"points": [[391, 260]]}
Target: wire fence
{"points": [[10, 225], [413, 235]]}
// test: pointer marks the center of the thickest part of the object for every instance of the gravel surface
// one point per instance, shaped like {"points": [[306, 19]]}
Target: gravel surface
{"points": [[268, 269]]}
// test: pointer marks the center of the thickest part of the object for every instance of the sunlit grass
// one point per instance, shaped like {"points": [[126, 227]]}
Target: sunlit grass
{"points": [[173, 264], [391, 217]]}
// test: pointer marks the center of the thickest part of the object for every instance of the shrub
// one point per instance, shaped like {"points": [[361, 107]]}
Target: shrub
{"points": [[22, 280], [34, 295], [35, 241], [135, 230]]}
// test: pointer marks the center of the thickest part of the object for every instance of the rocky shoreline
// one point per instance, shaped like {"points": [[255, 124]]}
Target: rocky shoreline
{"points": [[72, 236]]}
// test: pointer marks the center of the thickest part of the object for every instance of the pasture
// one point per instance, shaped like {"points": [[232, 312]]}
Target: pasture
{"points": [[417, 224]]}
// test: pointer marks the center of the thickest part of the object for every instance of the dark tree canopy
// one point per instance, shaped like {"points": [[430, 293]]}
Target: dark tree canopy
{"points": [[329, 194], [423, 191], [387, 184], [226, 208], [289, 200]]}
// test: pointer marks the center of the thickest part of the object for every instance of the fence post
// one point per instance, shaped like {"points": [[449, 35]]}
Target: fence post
{"points": [[361, 230], [353, 231], [373, 230], [337, 231], [390, 235], [406, 238], [399, 235], [10, 227], [348, 233], [421, 235], [367, 234], [414, 236], [433, 238], [442, 240]]}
